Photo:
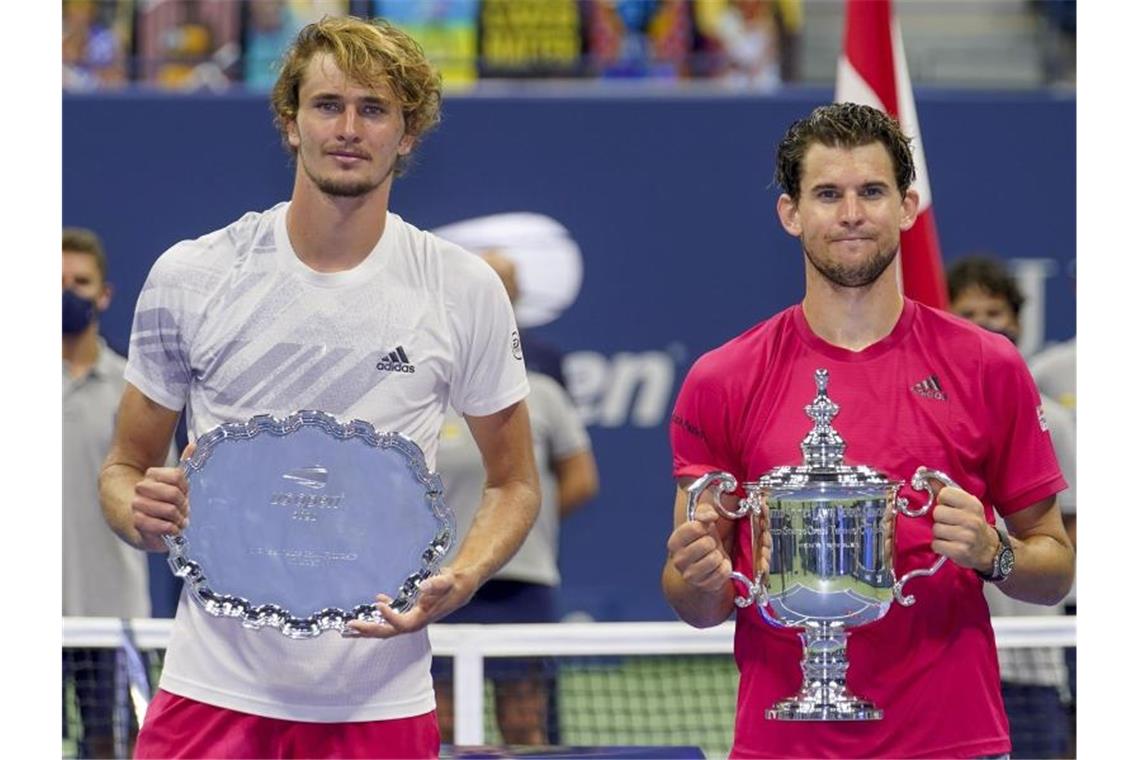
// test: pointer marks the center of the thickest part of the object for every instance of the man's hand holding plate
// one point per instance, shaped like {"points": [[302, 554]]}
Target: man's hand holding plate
{"points": [[439, 596], [161, 504]]}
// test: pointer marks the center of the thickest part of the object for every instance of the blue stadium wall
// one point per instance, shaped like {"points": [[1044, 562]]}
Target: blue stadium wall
{"points": [[671, 202]]}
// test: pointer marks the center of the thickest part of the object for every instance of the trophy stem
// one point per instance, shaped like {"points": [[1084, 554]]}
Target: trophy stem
{"points": [[824, 694]]}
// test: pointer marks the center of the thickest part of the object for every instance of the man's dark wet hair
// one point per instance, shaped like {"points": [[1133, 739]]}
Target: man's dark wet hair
{"points": [[842, 125]]}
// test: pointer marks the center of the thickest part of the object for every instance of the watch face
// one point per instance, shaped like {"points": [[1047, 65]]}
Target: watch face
{"points": [[1005, 563]]}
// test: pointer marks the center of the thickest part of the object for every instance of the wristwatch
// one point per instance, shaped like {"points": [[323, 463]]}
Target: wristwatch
{"points": [[1003, 560]]}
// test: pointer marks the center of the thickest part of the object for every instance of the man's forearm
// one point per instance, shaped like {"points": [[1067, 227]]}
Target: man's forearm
{"points": [[116, 489], [502, 523], [1042, 572]]}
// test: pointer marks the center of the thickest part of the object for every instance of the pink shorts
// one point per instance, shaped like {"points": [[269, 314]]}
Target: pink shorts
{"points": [[179, 727]]}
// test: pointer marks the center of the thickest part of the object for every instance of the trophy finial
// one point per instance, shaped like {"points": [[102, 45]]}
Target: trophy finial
{"points": [[823, 447]]}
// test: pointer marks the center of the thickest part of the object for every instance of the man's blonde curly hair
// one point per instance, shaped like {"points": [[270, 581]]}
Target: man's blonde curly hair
{"points": [[369, 53]]}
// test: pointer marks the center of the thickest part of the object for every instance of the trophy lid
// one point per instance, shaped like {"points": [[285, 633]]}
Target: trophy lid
{"points": [[823, 449]]}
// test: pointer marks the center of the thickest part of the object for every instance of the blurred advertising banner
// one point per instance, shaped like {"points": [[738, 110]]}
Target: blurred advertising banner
{"points": [[447, 30], [530, 38]]}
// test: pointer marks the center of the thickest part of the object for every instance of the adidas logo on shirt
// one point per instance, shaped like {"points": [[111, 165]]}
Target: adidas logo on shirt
{"points": [[396, 361], [929, 388]]}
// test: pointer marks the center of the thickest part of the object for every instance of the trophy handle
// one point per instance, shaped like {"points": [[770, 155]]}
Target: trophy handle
{"points": [[723, 482], [757, 594], [921, 482]]}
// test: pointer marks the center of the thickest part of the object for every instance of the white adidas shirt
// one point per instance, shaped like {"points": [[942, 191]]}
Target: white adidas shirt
{"points": [[232, 325]]}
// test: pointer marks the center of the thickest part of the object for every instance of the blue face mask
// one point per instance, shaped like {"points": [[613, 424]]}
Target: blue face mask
{"points": [[77, 313]]}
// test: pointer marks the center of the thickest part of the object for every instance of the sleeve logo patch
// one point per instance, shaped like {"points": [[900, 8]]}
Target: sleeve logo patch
{"points": [[687, 426], [1041, 418], [516, 345]]}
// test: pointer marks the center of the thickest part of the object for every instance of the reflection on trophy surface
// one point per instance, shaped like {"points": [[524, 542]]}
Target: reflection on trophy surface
{"points": [[830, 568]]}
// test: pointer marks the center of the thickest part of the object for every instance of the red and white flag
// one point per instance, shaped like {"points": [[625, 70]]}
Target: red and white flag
{"points": [[872, 71]]}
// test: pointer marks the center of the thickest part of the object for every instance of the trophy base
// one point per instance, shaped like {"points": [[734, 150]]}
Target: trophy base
{"points": [[824, 696], [849, 709]]}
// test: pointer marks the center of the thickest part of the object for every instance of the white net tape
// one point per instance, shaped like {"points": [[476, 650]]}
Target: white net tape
{"points": [[584, 648]]}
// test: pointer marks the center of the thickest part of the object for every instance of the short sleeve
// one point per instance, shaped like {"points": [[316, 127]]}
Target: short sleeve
{"points": [[1023, 466], [567, 434], [700, 429], [158, 362], [489, 374]]}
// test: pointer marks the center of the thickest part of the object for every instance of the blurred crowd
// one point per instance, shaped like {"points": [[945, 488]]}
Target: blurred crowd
{"points": [[213, 44], [754, 45]]}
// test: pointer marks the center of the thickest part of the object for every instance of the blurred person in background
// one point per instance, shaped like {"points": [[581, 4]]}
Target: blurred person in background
{"points": [[96, 36], [269, 29], [1055, 370], [102, 576], [639, 38], [189, 44], [297, 307], [541, 265], [542, 356], [1035, 682], [915, 386], [525, 590], [790, 17], [1058, 21], [744, 37], [187, 58], [983, 291]]}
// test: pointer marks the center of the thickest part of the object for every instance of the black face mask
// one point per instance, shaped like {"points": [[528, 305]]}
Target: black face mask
{"points": [[1012, 338], [77, 313]]}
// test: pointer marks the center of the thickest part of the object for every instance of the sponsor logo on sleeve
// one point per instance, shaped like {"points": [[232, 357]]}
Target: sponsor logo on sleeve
{"points": [[516, 345], [688, 427]]}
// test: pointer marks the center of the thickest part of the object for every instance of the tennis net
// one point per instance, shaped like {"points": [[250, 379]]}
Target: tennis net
{"points": [[587, 684]]}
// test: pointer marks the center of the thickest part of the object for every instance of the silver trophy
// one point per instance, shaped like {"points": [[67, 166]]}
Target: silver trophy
{"points": [[830, 569], [296, 524]]}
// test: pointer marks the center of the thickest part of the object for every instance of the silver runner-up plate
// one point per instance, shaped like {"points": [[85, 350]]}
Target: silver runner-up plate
{"points": [[298, 523]]}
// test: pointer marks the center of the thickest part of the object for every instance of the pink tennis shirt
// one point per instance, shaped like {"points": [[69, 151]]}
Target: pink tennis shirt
{"points": [[937, 391]]}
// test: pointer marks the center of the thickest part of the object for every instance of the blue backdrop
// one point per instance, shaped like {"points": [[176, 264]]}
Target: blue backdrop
{"points": [[671, 202]]}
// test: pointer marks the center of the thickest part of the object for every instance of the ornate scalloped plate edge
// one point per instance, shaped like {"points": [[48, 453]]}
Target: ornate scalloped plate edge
{"points": [[330, 618]]}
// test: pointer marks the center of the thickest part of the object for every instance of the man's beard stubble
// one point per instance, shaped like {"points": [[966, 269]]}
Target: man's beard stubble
{"points": [[857, 276], [345, 189]]}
